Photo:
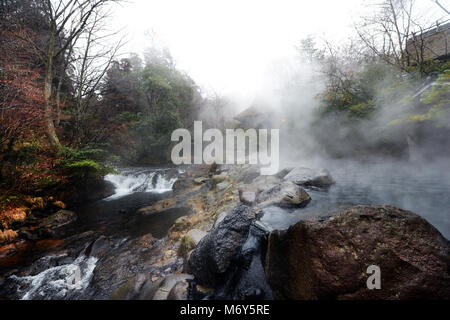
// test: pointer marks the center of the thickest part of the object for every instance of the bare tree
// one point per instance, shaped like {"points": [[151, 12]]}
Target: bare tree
{"points": [[395, 34], [67, 20], [94, 58]]}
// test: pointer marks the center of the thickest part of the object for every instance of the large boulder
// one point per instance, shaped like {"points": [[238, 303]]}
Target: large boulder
{"points": [[216, 251], [330, 259], [310, 177], [286, 194], [262, 183]]}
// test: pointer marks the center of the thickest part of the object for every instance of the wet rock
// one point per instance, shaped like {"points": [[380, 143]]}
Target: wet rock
{"points": [[58, 220], [199, 181], [220, 218], [132, 289], [216, 251], [180, 291], [170, 173], [91, 192], [310, 177], [329, 260], [180, 224], [216, 179], [168, 284], [223, 185], [283, 172], [247, 196], [190, 240], [99, 247], [184, 182], [26, 234], [157, 206], [286, 194], [262, 183], [246, 280], [131, 257]]}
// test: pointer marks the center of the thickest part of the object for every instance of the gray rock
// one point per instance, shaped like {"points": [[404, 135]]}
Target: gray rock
{"points": [[286, 194], [169, 282], [247, 196], [180, 291], [262, 183], [132, 289], [223, 185], [215, 252], [190, 240], [310, 177], [216, 179], [100, 247], [283, 172], [141, 287], [219, 218], [201, 180]]}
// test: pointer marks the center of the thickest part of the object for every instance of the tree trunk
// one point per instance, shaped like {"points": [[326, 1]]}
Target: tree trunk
{"points": [[48, 117], [58, 104]]}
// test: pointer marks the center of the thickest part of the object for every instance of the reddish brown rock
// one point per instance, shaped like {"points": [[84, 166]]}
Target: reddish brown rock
{"points": [[329, 260]]}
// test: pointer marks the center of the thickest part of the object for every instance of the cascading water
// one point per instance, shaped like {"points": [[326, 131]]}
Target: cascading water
{"points": [[68, 272], [129, 181], [63, 281]]}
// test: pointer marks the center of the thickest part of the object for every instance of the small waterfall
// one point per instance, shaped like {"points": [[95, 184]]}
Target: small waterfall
{"points": [[129, 181], [59, 282]]}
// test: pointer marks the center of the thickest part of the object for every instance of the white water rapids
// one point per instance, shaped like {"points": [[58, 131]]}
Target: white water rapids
{"points": [[58, 276], [141, 180], [58, 282]]}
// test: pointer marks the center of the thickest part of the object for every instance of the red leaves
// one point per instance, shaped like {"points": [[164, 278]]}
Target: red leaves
{"points": [[21, 96]]}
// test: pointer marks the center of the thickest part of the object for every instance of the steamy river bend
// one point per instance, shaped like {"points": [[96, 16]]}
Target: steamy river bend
{"points": [[77, 268]]}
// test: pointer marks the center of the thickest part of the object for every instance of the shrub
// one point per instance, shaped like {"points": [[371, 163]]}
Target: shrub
{"points": [[83, 165]]}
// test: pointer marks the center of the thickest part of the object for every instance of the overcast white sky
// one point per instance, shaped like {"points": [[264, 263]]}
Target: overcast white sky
{"points": [[226, 45]]}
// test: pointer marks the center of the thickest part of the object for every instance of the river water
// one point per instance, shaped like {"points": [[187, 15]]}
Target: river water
{"points": [[422, 189], [56, 275]]}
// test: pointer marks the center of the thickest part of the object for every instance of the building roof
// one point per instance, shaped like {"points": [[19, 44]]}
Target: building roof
{"points": [[249, 112]]}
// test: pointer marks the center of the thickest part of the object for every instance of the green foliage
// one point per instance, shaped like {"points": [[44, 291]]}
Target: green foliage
{"points": [[361, 110], [130, 117], [438, 100], [83, 165], [162, 102]]}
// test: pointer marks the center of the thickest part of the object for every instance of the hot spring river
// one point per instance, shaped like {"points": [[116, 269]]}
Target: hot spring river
{"points": [[51, 275], [420, 190]]}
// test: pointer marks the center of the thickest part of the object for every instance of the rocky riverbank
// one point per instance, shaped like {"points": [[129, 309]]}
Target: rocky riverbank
{"points": [[222, 243], [226, 251]]}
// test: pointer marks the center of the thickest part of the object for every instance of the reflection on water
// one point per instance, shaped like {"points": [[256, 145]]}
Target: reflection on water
{"points": [[425, 191]]}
